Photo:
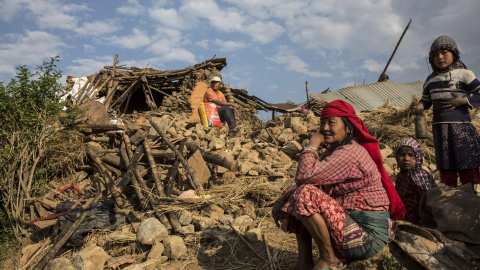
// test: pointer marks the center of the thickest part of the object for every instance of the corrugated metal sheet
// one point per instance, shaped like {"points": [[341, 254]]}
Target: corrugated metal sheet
{"points": [[328, 96], [372, 96], [331, 97]]}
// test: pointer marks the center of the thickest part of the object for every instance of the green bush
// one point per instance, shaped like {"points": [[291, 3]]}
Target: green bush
{"points": [[28, 104]]}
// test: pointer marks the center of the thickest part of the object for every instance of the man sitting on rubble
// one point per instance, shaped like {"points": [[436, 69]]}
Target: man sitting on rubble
{"points": [[214, 95]]}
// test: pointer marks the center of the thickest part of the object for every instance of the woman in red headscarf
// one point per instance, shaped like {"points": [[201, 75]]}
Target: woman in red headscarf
{"points": [[343, 199]]}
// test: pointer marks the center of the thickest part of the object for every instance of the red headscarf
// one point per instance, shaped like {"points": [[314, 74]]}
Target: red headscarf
{"points": [[342, 108]]}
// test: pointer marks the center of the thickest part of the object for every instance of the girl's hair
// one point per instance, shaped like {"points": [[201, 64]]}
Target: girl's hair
{"points": [[350, 131]]}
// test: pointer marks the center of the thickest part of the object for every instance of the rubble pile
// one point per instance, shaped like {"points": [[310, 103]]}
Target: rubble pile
{"points": [[171, 192]]}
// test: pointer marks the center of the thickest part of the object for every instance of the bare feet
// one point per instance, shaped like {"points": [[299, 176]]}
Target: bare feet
{"points": [[332, 263]]}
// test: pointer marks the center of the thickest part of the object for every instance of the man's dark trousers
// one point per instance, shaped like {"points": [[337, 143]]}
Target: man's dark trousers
{"points": [[226, 115]]}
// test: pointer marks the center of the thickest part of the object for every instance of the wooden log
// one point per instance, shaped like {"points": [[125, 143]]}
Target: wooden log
{"points": [[212, 158], [163, 154], [80, 92], [128, 145], [196, 183], [173, 218], [115, 160], [148, 94], [102, 127], [153, 166], [127, 177], [164, 220], [93, 138], [116, 192], [174, 170], [53, 250], [110, 94], [87, 97], [123, 153], [138, 137]]}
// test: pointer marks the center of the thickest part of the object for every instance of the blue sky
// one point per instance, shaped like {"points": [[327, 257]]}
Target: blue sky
{"points": [[272, 46]]}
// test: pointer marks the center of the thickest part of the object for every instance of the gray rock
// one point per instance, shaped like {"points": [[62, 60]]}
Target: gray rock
{"points": [[175, 247], [213, 211], [134, 267], [292, 148], [156, 251], [243, 221], [185, 217], [254, 235], [60, 264], [201, 223], [90, 258], [188, 229], [154, 264], [150, 230], [225, 219]]}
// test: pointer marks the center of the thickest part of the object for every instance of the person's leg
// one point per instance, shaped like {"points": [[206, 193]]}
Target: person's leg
{"points": [[305, 252], [226, 115], [448, 177], [318, 230], [469, 176]]}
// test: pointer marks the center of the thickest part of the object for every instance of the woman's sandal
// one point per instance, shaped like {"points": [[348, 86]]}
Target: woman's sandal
{"points": [[339, 266]]}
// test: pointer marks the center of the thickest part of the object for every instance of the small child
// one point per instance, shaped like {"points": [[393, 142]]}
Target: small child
{"points": [[452, 89], [412, 181]]}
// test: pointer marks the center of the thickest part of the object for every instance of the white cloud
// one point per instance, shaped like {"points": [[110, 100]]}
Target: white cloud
{"points": [[294, 63], [230, 45], [29, 49], [168, 17], [228, 19], [263, 32], [55, 14], [97, 28], [373, 65], [204, 43], [136, 40], [88, 66], [132, 8], [9, 9]]}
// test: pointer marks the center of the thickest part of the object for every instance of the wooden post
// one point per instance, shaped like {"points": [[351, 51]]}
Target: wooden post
{"points": [[212, 158], [116, 192], [153, 166], [171, 176], [308, 95], [197, 185], [383, 76]]}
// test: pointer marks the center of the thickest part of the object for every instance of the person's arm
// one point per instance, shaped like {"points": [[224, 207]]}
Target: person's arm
{"points": [[224, 103], [426, 101], [333, 169], [472, 85]]}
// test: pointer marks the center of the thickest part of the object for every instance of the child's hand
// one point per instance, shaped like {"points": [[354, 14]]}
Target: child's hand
{"points": [[455, 102], [418, 109]]}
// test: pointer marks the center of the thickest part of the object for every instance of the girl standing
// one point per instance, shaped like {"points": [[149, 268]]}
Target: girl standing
{"points": [[452, 89]]}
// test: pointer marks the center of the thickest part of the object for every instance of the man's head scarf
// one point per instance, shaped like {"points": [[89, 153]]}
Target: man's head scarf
{"points": [[342, 108]]}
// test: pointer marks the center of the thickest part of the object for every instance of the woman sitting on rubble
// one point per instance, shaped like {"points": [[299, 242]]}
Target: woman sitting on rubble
{"points": [[343, 199]]}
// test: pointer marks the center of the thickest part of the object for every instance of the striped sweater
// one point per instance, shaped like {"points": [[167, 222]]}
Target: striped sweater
{"points": [[463, 83]]}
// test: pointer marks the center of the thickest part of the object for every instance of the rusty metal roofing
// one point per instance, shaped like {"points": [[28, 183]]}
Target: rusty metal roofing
{"points": [[371, 96]]}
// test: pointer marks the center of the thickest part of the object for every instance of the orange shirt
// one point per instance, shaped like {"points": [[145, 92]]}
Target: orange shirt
{"points": [[211, 95]]}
